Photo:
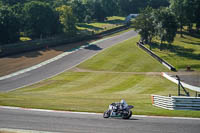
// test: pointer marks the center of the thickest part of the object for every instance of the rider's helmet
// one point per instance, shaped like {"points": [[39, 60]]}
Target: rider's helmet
{"points": [[123, 102]]}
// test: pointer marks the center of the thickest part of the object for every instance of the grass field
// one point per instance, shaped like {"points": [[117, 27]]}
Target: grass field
{"points": [[182, 53], [113, 80]]}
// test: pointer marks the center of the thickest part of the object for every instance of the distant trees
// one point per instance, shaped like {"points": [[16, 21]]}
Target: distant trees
{"points": [[133, 6], [144, 25], [45, 18], [160, 23], [165, 25], [40, 19], [67, 19], [9, 26], [186, 12]]}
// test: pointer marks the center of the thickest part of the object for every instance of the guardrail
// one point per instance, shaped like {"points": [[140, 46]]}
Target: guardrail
{"points": [[176, 102], [165, 63]]}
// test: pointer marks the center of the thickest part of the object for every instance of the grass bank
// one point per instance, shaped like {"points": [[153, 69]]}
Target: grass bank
{"points": [[185, 51], [94, 91], [125, 57]]}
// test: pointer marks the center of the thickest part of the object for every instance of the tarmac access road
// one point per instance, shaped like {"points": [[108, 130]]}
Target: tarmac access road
{"points": [[62, 64], [93, 123]]}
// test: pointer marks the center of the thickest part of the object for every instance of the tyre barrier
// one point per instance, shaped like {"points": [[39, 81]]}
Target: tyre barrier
{"points": [[176, 102], [165, 63]]}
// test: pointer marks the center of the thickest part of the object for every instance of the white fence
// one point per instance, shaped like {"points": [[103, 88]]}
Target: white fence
{"points": [[176, 102]]}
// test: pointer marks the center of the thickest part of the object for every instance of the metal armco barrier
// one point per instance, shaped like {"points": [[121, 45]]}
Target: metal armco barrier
{"points": [[176, 102], [166, 64]]}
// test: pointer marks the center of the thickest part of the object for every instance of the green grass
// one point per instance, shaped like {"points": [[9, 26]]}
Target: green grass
{"points": [[97, 27], [182, 53], [125, 57], [94, 91]]}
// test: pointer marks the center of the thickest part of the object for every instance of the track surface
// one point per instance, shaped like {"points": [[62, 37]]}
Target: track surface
{"points": [[61, 65], [93, 123]]}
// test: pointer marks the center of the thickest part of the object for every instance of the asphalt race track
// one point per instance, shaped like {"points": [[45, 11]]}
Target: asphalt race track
{"points": [[62, 64], [93, 123]]}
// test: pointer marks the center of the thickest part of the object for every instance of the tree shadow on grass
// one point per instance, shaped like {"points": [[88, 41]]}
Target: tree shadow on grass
{"points": [[116, 21], [195, 35], [91, 27], [178, 50], [193, 43]]}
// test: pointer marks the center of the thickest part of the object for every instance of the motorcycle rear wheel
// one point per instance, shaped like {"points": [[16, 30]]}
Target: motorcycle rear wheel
{"points": [[127, 116]]}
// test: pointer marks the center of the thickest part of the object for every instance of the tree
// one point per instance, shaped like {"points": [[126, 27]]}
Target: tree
{"points": [[67, 19], [189, 7], [79, 10], [99, 12], [12, 2], [144, 25], [9, 25], [110, 7], [165, 25], [156, 4], [197, 14], [177, 7], [40, 19]]}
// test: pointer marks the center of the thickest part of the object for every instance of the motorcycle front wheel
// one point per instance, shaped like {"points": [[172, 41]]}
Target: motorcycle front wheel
{"points": [[106, 114]]}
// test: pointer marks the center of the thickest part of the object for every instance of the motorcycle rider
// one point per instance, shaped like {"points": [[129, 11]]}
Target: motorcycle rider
{"points": [[123, 103]]}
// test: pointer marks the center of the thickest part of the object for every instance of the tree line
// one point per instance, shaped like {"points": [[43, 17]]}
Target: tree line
{"points": [[46, 18], [163, 23]]}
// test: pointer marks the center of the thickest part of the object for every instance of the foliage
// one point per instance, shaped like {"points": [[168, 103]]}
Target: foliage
{"points": [[159, 23], [67, 19], [144, 24], [134, 6], [79, 10], [165, 25], [40, 19], [9, 25], [12, 2], [187, 12]]}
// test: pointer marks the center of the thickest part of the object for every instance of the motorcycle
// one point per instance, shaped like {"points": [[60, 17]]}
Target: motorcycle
{"points": [[118, 110]]}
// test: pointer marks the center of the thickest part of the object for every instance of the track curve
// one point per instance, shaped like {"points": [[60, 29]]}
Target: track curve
{"points": [[62, 64]]}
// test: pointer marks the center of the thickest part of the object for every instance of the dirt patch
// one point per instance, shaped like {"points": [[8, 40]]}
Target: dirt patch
{"points": [[18, 62]]}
